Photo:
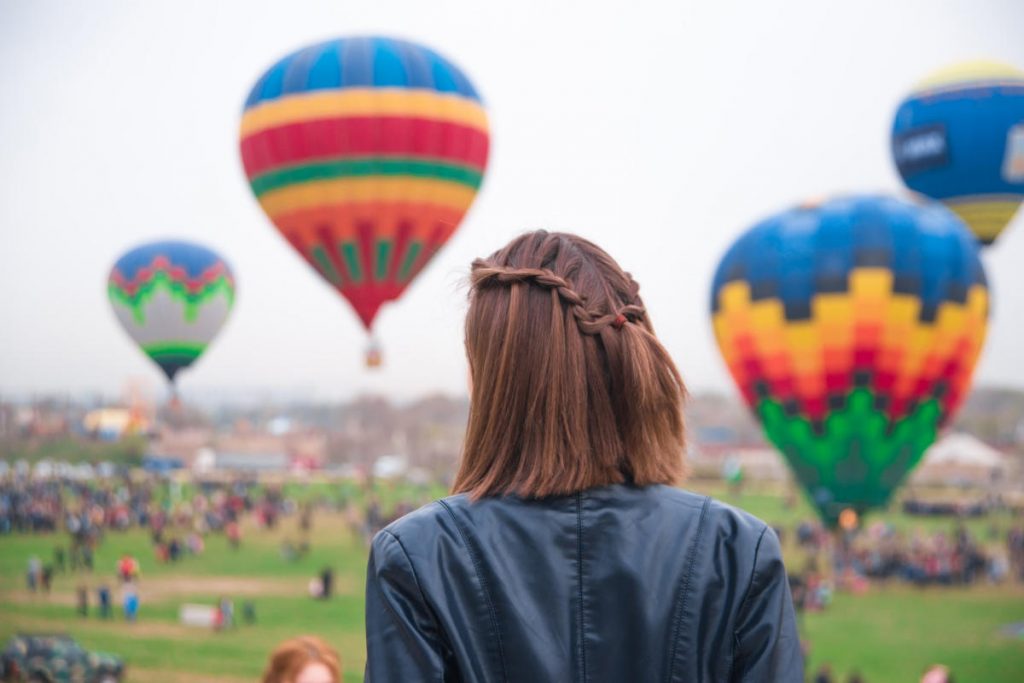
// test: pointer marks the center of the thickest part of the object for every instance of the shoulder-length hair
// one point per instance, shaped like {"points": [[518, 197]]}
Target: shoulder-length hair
{"points": [[571, 389]]}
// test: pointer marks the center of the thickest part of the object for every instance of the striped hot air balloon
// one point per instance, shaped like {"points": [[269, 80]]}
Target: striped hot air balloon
{"points": [[959, 138], [852, 329], [366, 153], [172, 298]]}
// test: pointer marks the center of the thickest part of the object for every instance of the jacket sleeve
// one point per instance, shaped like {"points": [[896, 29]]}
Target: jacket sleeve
{"points": [[767, 644], [403, 639]]}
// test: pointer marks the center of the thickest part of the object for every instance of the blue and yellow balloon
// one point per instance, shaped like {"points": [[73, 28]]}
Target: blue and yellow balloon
{"points": [[959, 138]]}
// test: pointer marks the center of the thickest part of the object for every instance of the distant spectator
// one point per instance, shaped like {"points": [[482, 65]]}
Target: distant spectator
{"points": [[46, 578], [83, 600], [174, 549], [103, 598], [824, 674], [128, 568], [855, 677], [226, 613], [234, 534], [87, 557], [249, 612], [195, 543], [160, 550], [130, 602], [306, 659], [59, 559], [326, 583], [35, 569]]}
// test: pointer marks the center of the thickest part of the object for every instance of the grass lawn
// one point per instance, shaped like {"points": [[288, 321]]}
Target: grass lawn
{"points": [[889, 634]]}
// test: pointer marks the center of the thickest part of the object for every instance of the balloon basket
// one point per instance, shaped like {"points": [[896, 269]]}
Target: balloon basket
{"points": [[374, 357]]}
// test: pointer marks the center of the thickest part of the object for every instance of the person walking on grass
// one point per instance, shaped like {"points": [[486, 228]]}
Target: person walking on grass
{"points": [[130, 602], [34, 573], [46, 578], [82, 599], [326, 583], [103, 598], [567, 552]]}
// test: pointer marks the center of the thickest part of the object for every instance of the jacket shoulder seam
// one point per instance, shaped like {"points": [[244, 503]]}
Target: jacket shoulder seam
{"points": [[579, 577], [408, 560], [746, 597], [684, 588], [483, 586], [412, 570]]}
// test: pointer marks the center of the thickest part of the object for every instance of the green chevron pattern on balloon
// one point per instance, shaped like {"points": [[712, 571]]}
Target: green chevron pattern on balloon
{"points": [[171, 297], [192, 301], [858, 457]]}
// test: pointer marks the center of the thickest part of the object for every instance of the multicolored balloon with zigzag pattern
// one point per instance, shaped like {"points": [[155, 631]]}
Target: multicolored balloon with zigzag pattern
{"points": [[172, 299], [852, 328]]}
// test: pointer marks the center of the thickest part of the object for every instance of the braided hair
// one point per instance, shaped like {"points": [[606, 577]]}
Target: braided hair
{"points": [[571, 387]]}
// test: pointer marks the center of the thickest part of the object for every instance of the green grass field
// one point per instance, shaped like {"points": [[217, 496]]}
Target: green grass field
{"points": [[889, 634]]}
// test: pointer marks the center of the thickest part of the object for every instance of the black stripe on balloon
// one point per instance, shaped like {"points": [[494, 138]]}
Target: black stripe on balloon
{"points": [[872, 257], [836, 401], [791, 407], [831, 283], [763, 289], [818, 427], [929, 310], [736, 270], [797, 309], [956, 292], [940, 389], [861, 378], [761, 389], [906, 283]]}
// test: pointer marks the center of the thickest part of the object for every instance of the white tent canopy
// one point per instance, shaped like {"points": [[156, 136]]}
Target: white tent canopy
{"points": [[958, 448]]}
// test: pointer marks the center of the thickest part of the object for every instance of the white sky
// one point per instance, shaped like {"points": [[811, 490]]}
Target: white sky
{"points": [[661, 131]]}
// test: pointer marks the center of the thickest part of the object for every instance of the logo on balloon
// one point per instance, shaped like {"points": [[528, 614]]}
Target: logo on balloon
{"points": [[920, 149], [1013, 161], [956, 139]]}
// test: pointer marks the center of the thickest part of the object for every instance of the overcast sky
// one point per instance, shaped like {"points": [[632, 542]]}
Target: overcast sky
{"points": [[661, 131]]}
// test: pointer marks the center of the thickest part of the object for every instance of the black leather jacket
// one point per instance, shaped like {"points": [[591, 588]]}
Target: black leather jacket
{"points": [[617, 584]]}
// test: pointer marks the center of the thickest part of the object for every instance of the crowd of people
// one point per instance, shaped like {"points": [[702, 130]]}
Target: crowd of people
{"points": [[179, 525], [881, 553]]}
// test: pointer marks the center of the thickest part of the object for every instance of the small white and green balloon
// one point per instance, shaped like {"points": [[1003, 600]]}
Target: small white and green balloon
{"points": [[172, 298]]}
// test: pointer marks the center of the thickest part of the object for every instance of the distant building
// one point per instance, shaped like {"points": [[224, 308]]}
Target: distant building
{"points": [[242, 463], [959, 459], [757, 462], [111, 424]]}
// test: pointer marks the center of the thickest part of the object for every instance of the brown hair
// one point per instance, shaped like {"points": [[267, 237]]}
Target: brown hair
{"points": [[292, 656], [571, 388]]}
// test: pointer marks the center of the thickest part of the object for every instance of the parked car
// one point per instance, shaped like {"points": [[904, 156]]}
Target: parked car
{"points": [[56, 659]]}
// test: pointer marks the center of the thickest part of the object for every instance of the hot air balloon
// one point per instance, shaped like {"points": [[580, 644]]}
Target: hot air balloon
{"points": [[852, 328], [366, 153], [172, 298], [959, 138]]}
